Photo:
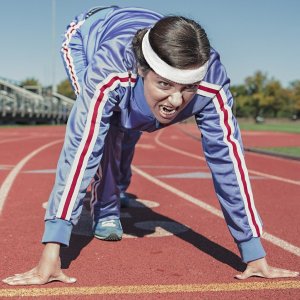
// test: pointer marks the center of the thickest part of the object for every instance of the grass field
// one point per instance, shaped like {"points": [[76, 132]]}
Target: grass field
{"points": [[271, 125], [287, 151], [275, 125]]}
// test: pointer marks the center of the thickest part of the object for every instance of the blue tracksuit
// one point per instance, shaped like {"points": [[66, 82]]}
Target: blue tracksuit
{"points": [[99, 58]]}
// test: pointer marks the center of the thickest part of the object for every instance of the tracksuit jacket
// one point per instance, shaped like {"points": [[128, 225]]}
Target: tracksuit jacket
{"points": [[99, 58]]}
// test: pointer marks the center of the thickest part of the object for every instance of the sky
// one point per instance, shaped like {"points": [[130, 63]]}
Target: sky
{"points": [[249, 35]]}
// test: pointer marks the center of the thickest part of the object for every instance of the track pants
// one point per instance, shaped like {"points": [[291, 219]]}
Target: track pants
{"points": [[114, 173]]}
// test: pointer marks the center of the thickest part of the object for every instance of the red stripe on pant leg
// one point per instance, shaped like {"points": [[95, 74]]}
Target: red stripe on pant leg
{"points": [[87, 145]]}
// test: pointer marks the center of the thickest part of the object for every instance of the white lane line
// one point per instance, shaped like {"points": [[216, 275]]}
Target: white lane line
{"points": [[281, 243], [271, 238], [275, 177], [203, 159], [178, 193], [9, 180], [16, 139], [171, 167]]}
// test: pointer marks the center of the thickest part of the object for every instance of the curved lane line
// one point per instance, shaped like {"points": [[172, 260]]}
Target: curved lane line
{"points": [[9, 180], [203, 159], [217, 212], [16, 139], [267, 236]]}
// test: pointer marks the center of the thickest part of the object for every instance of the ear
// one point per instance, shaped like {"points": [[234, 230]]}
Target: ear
{"points": [[140, 72]]}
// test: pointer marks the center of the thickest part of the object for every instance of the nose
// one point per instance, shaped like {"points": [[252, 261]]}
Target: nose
{"points": [[175, 99]]}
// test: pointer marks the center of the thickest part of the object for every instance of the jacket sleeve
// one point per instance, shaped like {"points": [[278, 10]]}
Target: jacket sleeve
{"points": [[82, 150], [222, 145]]}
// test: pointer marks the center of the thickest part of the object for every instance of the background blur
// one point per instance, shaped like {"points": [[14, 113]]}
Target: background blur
{"points": [[258, 42]]}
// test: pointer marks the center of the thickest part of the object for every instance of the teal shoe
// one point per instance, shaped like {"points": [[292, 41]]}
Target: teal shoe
{"points": [[110, 230]]}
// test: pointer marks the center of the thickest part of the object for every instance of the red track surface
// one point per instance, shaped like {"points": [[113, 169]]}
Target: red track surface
{"points": [[204, 254]]}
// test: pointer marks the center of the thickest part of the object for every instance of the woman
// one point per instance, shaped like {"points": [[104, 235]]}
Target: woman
{"points": [[138, 71]]}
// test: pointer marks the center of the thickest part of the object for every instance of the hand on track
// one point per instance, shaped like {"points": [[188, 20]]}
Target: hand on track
{"points": [[38, 277], [261, 268], [47, 270]]}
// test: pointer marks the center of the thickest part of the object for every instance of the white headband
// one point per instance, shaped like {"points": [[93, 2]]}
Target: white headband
{"points": [[168, 72]]}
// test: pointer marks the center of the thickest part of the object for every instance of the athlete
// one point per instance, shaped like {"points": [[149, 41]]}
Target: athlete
{"points": [[147, 72]]}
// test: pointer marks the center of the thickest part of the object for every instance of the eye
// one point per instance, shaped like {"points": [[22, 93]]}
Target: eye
{"points": [[191, 87], [164, 84]]}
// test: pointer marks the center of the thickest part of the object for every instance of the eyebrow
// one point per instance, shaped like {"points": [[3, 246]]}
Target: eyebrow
{"points": [[172, 82], [164, 79]]}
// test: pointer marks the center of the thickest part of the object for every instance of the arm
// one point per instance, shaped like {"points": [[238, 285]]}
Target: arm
{"points": [[222, 145], [81, 154], [47, 270]]}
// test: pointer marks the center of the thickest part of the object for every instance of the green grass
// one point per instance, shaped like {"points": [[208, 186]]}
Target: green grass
{"points": [[275, 125], [292, 151], [292, 127]]}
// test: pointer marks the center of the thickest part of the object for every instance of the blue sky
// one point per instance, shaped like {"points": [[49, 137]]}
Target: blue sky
{"points": [[250, 35]]}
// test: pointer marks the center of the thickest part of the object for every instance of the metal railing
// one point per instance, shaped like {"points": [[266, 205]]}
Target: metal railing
{"points": [[20, 105]]}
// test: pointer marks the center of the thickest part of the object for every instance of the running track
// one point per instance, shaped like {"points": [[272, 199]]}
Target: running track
{"points": [[176, 244]]}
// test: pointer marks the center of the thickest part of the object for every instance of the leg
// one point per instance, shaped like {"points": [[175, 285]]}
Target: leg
{"points": [[105, 203], [128, 146]]}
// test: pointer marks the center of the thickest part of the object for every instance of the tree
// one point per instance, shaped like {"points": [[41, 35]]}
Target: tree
{"points": [[33, 85], [255, 87], [276, 98], [30, 82], [295, 97], [241, 107], [65, 88], [266, 97]]}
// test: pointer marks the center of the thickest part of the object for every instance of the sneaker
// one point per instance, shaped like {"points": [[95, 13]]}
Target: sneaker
{"points": [[124, 200], [110, 230]]}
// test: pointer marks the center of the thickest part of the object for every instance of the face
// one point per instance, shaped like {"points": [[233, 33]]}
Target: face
{"points": [[166, 98]]}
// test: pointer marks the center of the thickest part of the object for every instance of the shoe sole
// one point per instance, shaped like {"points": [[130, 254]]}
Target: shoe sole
{"points": [[111, 237]]}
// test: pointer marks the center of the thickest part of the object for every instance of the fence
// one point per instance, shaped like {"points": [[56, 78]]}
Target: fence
{"points": [[22, 106]]}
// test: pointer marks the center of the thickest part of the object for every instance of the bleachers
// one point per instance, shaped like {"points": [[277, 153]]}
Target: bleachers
{"points": [[18, 105]]}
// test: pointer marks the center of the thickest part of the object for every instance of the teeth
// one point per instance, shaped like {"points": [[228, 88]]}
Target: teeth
{"points": [[167, 111]]}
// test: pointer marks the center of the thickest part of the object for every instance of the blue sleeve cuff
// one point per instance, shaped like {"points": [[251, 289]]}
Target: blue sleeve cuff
{"points": [[57, 231], [251, 250]]}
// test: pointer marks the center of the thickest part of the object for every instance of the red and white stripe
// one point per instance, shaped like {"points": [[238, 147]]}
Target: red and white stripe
{"points": [[208, 89], [68, 57], [235, 152], [87, 143]]}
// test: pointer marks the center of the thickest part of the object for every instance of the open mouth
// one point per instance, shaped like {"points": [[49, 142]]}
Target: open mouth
{"points": [[167, 111]]}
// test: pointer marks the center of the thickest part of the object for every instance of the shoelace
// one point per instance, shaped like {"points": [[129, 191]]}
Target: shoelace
{"points": [[109, 223]]}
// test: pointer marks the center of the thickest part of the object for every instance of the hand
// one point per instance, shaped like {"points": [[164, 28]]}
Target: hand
{"points": [[48, 269], [261, 268]]}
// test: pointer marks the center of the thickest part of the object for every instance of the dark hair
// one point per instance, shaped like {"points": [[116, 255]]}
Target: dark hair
{"points": [[180, 42]]}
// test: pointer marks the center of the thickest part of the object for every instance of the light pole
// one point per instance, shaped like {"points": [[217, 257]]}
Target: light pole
{"points": [[53, 45]]}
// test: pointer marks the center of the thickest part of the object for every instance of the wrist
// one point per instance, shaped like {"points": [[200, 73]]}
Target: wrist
{"points": [[251, 250], [51, 251]]}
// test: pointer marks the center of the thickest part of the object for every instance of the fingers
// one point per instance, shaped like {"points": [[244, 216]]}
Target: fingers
{"points": [[280, 273], [33, 278], [32, 271], [24, 280], [286, 272], [270, 272]]}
